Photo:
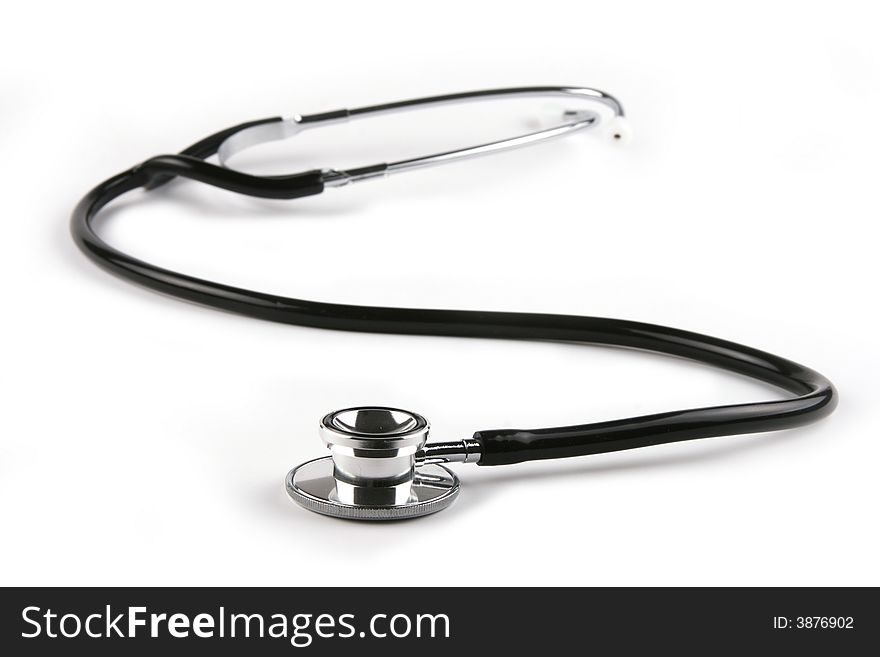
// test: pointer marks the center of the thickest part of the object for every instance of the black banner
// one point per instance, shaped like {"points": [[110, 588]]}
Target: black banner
{"points": [[425, 620]]}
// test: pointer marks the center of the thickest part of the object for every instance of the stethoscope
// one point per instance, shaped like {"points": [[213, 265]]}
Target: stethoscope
{"points": [[380, 464]]}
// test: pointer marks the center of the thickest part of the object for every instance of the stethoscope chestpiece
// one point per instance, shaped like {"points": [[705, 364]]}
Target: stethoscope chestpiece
{"points": [[372, 473]]}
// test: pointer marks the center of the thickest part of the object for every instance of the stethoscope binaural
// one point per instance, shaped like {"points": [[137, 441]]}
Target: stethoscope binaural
{"points": [[380, 464]]}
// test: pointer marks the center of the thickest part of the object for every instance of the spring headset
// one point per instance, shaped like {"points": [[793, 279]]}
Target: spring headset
{"points": [[380, 466]]}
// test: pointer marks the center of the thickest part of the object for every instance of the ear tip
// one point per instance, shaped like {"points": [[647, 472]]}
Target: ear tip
{"points": [[620, 130]]}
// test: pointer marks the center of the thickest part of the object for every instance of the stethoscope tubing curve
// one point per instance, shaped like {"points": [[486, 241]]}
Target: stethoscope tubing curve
{"points": [[815, 395]]}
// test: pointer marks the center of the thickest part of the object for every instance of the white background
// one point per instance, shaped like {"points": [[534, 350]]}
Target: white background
{"points": [[144, 439]]}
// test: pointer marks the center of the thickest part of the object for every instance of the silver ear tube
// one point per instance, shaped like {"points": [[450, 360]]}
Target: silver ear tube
{"points": [[571, 120]]}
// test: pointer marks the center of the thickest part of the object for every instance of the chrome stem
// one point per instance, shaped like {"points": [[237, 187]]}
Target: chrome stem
{"points": [[460, 451]]}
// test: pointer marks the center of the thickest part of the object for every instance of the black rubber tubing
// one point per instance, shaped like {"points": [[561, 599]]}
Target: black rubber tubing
{"points": [[815, 396]]}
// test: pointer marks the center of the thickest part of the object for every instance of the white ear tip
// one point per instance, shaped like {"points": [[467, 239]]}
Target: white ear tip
{"points": [[620, 130]]}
